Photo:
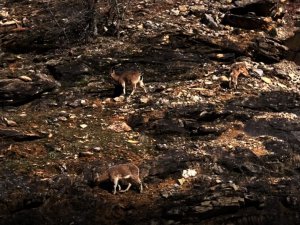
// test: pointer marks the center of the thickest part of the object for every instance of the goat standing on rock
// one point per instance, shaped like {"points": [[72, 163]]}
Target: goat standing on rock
{"points": [[119, 172], [132, 76], [237, 69]]}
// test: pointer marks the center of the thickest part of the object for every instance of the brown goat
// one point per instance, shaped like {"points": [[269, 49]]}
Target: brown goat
{"points": [[132, 77], [119, 172], [237, 69]]}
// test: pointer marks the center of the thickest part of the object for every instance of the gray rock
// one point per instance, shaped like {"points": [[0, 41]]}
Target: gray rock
{"points": [[209, 21]]}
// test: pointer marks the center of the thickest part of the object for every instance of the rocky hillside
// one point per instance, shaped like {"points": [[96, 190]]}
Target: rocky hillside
{"points": [[208, 152]]}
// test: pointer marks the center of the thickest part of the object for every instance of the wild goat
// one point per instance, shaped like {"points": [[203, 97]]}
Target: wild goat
{"points": [[132, 77], [119, 172], [237, 69]]}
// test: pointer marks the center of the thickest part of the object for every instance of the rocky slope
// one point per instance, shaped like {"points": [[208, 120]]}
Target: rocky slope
{"points": [[209, 154]]}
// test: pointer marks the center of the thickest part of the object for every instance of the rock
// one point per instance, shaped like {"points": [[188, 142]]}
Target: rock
{"points": [[296, 134], [25, 78], [140, 26], [224, 78], [189, 173], [3, 14], [68, 72], [208, 82], [258, 72], [181, 181], [268, 50], [183, 8], [83, 126], [162, 147], [119, 99], [137, 120], [259, 8], [144, 99], [15, 91], [198, 10], [18, 135], [294, 50], [85, 154], [174, 12], [97, 149], [119, 126], [165, 194], [223, 56], [209, 21], [83, 102], [133, 141], [246, 22], [203, 209], [10, 123], [233, 185], [266, 80], [166, 126]]}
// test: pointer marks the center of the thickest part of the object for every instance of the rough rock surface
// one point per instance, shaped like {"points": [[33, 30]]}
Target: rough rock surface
{"points": [[208, 154]]}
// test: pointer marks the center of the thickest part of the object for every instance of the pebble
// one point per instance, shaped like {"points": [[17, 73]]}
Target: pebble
{"points": [[140, 27], [144, 99], [25, 78], [85, 154], [259, 72], [208, 82], [174, 12], [10, 123], [183, 8], [224, 79], [266, 80], [97, 149], [189, 173], [119, 99], [181, 181], [119, 126], [83, 125]]}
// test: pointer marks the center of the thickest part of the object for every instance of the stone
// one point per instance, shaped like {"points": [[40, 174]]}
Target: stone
{"points": [[259, 72], [83, 126], [10, 123], [144, 99], [119, 126], [209, 21], [266, 80], [189, 173], [198, 10], [174, 12], [183, 8], [181, 181], [248, 22], [18, 135], [224, 78], [259, 8], [85, 154], [25, 78], [68, 72], [296, 135], [140, 26], [119, 99], [16, 91]]}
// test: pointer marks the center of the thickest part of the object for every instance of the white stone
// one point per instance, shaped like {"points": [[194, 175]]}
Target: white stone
{"points": [[83, 125], [189, 173]]}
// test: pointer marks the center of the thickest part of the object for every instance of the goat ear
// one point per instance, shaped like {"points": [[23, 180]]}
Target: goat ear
{"points": [[112, 72]]}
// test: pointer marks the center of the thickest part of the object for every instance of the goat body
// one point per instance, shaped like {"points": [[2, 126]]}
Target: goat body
{"points": [[132, 77], [236, 70], [119, 172]]}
